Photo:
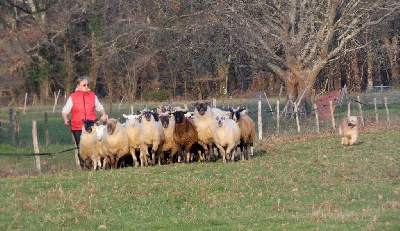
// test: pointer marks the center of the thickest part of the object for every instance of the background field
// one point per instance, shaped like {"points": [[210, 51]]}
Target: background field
{"points": [[303, 182]]}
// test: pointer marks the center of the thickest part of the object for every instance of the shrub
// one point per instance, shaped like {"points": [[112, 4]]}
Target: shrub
{"points": [[157, 95]]}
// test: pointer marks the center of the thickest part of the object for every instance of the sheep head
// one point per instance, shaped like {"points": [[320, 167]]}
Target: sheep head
{"points": [[112, 125], [147, 114], [164, 118], [100, 131], [201, 106], [88, 125], [131, 120], [220, 121]]}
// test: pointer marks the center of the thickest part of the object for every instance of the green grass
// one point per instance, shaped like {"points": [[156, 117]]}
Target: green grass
{"points": [[306, 184]]}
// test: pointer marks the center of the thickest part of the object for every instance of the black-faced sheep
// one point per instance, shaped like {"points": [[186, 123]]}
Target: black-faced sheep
{"points": [[248, 130], [185, 133], [205, 123], [151, 135], [168, 125], [85, 149]]}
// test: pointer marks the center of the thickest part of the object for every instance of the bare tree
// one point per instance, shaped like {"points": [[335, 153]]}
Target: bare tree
{"points": [[296, 39]]}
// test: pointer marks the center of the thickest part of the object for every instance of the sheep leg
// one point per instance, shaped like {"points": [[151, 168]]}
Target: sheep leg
{"points": [[132, 151]]}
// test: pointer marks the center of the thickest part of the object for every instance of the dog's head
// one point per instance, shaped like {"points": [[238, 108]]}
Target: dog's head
{"points": [[352, 121]]}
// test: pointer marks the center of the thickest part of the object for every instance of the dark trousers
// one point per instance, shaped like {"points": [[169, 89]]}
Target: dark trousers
{"points": [[77, 137]]}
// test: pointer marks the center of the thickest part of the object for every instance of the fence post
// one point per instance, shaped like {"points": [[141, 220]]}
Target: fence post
{"points": [[110, 111], [376, 112], [17, 129], [132, 110], [333, 118], [387, 109], [46, 126], [360, 109], [36, 146], [297, 118], [348, 109], [26, 97], [277, 116], [56, 99], [259, 120], [13, 141], [316, 117], [1, 136], [119, 106]]}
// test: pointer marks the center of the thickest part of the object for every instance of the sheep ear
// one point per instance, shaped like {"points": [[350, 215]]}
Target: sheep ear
{"points": [[125, 116], [83, 120]]}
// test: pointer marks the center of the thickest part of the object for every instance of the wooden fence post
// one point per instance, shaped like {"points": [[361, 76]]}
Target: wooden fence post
{"points": [[348, 109], [56, 99], [26, 97], [119, 106], [259, 120], [297, 118], [132, 110], [46, 126], [316, 117], [277, 117], [333, 118], [1, 135], [387, 109], [376, 112], [17, 129], [13, 141], [360, 109], [110, 111], [36, 146]]}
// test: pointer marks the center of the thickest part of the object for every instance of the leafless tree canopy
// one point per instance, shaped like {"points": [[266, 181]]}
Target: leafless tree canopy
{"points": [[196, 49]]}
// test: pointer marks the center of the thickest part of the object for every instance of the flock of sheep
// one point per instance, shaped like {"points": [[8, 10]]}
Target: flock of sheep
{"points": [[170, 136]]}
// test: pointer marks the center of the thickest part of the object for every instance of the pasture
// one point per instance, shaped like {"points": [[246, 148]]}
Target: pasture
{"points": [[294, 182]]}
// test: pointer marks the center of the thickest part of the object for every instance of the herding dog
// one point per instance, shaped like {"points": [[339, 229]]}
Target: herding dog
{"points": [[348, 130]]}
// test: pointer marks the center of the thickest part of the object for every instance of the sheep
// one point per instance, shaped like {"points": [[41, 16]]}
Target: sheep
{"points": [[115, 142], [227, 135], [151, 135], [205, 123], [132, 128], [185, 132], [85, 149], [248, 130], [168, 125], [97, 150]]}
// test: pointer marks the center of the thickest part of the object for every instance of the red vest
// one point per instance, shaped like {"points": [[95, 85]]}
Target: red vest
{"points": [[83, 108]]}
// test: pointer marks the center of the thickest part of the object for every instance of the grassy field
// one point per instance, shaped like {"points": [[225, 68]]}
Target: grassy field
{"points": [[292, 183]]}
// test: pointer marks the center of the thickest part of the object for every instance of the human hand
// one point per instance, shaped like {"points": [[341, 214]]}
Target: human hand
{"points": [[66, 122], [103, 118]]}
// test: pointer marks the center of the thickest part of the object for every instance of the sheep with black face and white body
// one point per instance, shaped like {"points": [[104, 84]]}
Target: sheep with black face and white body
{"points": [[151, 135]]}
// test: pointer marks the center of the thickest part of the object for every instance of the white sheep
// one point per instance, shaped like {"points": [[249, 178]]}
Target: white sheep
{"points": [[115, 142], [227, 137], [151, 135], [97, 150], [205, 123], [85, 149], [132, 128]]}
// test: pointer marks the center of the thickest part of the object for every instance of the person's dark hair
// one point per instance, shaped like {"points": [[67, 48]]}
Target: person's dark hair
{"points": [[79, 79]]}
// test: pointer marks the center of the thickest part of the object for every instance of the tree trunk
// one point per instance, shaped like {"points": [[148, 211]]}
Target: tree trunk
{"points": [[370, 68], [68, 69], [94, 65], [393, 53], [356, 71]]}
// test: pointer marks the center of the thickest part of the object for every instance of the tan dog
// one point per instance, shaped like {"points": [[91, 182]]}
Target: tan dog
{"points": [[348, 130]]}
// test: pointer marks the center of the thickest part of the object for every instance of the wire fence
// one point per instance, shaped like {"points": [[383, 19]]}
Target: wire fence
{"points": [[377, 105]]}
